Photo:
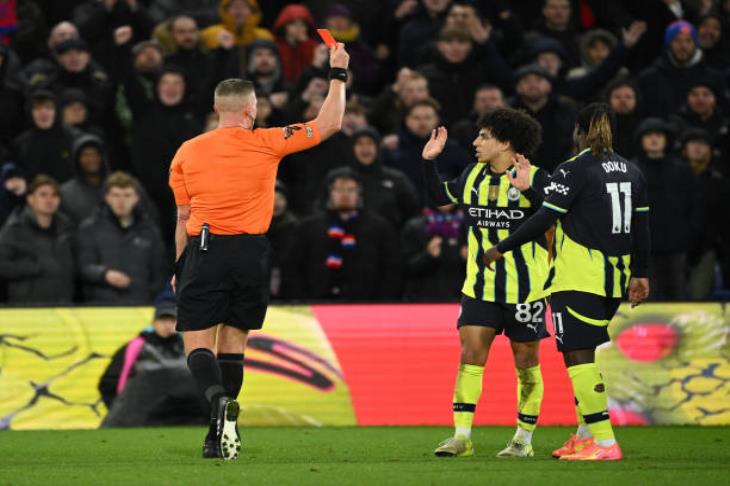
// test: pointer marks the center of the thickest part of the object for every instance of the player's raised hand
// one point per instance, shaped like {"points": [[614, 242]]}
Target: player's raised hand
{"points": [[491, 256], [638, 290], [519, 175], [339, 58], [435, 144]]}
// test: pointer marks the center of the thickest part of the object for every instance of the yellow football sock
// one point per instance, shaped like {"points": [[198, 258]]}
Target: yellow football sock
{"points": [[467, 391], [529, 396], [590, 391]]}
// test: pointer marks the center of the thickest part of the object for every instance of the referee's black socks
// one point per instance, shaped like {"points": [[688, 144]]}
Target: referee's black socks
{"points": [[231, 365], [207, 374]]}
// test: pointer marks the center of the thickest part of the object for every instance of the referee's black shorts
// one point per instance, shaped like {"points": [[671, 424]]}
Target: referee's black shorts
{"points": [[228, 284]]}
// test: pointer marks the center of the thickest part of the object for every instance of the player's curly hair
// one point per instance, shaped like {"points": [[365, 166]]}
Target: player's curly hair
{"points": [[518, 128]]}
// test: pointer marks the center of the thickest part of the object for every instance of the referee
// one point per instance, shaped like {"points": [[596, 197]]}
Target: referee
{"points": [[223, 183]]}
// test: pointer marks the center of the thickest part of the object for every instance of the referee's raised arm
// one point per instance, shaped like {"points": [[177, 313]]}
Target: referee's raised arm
{"points": [[329, 119]]}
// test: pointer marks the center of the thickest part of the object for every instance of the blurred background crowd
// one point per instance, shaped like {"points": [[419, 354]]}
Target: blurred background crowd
{"points": [[97, 95]]}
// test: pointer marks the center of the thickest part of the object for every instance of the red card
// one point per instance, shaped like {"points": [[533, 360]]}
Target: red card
{"points": [[329, 41]]}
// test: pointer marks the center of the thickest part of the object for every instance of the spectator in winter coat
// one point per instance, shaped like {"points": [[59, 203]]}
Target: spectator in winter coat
{"points": [[433, 251], [386, 192], [556, 115], [671, 199], [623, 98], [346, 252], [709, 242], [47, 146], [713, 41], [36, 257], [664, 85], [703, 110], [294, 28], [421, 29], [420, 119], [121, 255]]}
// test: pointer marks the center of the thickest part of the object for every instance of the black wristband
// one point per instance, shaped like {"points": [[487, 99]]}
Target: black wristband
{"points": [[339, 74]]}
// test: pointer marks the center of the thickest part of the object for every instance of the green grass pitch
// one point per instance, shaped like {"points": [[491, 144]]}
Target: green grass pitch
{"points": [[379, 456]]}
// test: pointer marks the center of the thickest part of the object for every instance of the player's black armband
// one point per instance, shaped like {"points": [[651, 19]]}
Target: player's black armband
{"points": [[339, 74]]}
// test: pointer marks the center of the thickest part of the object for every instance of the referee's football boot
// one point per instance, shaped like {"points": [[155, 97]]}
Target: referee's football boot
{"points": [[228, 440], [516, 448], [210, 446], [455, 447]]}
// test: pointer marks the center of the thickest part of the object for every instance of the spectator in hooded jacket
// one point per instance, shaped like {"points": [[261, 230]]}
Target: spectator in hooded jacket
{"points": [[121, 255], [82, 195], [75, 112], [671, 187], [46, 147], [386, 192], [346, 252], [283, 226], [36, 256], [239, 18], [293, 28], [664, 85]]}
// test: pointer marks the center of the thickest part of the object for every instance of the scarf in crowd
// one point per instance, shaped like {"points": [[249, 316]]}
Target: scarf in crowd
{"points": [[341, 241], [8, 20], [445, 225]]}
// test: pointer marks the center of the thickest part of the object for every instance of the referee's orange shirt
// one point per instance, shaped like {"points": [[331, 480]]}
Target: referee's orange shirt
{"points": [[228, 175]]}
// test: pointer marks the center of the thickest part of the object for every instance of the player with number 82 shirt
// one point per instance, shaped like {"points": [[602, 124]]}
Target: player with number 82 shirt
{"points": [[497, 194]]}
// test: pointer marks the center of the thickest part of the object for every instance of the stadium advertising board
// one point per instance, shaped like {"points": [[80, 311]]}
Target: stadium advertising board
{"points": [[374, 365]]}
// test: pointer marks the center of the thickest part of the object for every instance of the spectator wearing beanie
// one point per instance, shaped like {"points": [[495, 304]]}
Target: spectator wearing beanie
{"points": [[293, 29], [703, 110], [75, 112], [710, 240], [36, 257], [664, 85], [671, 186]]}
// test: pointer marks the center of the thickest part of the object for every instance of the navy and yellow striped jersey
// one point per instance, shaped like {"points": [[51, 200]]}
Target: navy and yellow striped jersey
{"points": [[597, 198], [493, 209]]}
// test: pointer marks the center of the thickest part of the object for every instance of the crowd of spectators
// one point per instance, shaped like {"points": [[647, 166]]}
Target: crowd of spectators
{"points": [[97, 95]]}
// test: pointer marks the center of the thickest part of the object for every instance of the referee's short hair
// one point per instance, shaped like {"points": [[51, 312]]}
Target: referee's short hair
{"points": [[232, 94]]}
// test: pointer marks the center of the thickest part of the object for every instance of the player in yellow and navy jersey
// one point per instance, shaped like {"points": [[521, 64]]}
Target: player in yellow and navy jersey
{"points": [[599, 201], [496, 194]]}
